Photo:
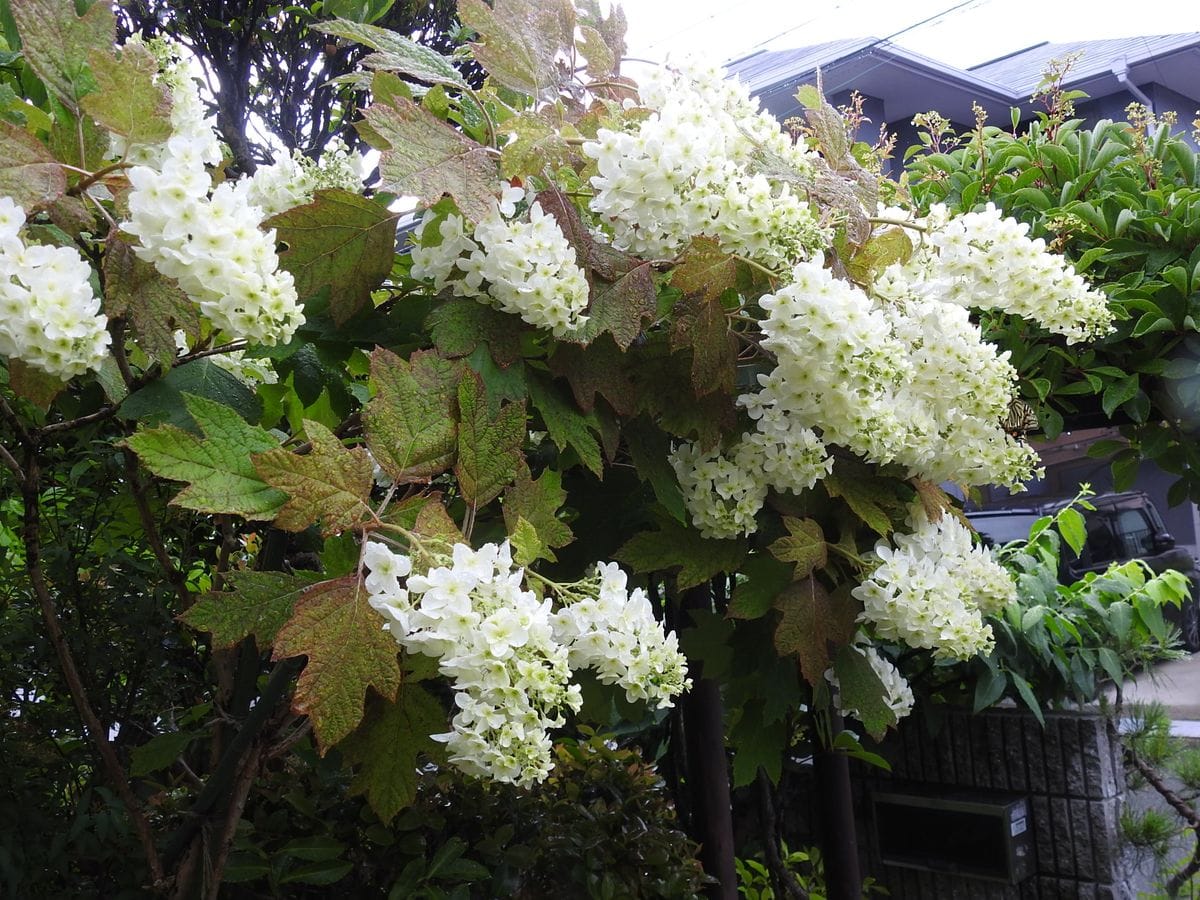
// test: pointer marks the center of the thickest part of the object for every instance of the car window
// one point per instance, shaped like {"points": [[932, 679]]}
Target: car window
{"points": [[1134, 533], [1101, 545], [997, 530]]}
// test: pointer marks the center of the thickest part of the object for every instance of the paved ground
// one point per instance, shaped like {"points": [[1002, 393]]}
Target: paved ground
{"points": [[1176, 685]]}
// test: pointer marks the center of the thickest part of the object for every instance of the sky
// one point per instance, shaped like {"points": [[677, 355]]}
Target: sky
{"points": [[975, 32]]}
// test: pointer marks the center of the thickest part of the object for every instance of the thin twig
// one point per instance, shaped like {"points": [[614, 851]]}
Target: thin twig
{"points": [[153, 536], [11, 463], [231, 347], [84, 183], [104, 412], [113, 769]]}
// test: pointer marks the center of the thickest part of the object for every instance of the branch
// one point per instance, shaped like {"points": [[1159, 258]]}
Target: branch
{"points": [[11, 463], [84, 183], [1182, 808], [113, 769], [104, 412], [153, 536]]}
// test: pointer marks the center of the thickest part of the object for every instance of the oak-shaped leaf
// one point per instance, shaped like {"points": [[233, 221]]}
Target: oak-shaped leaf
{"points": [[29, 173], [425, 157], [330, 484], [521, 41], [869, 498], [601, 368], [459, 326], [57, 43], [861, 690], [534, 145], [812, 625], [701, 326], [537, 501], [649, 448], [129, 101], [388, 744], [602, 40], [704, 269], [621, 306], [217, 467], [803, 545], [567, 426], [489, 442], [761, 582], [395, 53], [257, 604], [348, 651], [410, 422], [932, 498], [675, 546], [340, 241], [155, 304]]}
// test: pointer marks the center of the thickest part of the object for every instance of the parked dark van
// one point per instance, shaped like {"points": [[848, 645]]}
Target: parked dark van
{"points": [[1123, 526]]}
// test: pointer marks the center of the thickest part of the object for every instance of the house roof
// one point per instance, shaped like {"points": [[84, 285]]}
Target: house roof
{"points": [[1022, 71], [909, 82]]}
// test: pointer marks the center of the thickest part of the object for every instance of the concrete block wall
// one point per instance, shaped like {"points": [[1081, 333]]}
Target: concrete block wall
{"points": [[1071, 772]]}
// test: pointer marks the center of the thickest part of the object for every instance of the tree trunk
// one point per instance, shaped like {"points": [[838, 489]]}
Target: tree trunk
{"points": [[835, 806]]}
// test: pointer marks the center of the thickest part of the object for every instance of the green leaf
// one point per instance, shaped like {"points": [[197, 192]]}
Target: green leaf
{"points": [[706, 644], [761, 582], [648, 448], [158, 753], [329, 871], [396, 53], [889, 246], [704, 269], [348, 651], [29, 173], [568, 427], [1025, 689], [521, 41], [57, 43], [410, 422], [217, 468], [1119, 392], [339, 241], [162, 400], [388, 744], [674, 546], [527, 546], [536, 502], [989, 689], [534, 146], [489, 443], [330, 484], [700, 325], [155, 304], [128, 101], [425, 157], [866, 498], [812, 625], [458, 327], [1125, 467], [757, 744], [803, 545], [257, 604], [1071, 525], [314, 849], [31, 383], [861, 690]]}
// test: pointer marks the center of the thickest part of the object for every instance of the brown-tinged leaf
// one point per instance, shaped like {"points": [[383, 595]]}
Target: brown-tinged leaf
{"points": [[57, 43], [155, 304], [410, 422], [601, 368], [29, 173], [128, 101], [621, 306], [257, 604], [521, 40], [395, 52], [459, 326], [607, 30], [489, 442], [423, 156], [348, 651], [933, 499], [330, 484], [537, 502], [701, 325], [534, 146], [880, 251], [388, 744], [72, 215], [803, 545], [434, 522], [813, 625], [340, 241], [38, 387], [705, 269]]}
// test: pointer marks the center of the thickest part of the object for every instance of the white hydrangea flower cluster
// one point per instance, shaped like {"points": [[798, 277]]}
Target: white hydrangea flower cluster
{"points": [[931, 589], [293, 180], [49, 316], [212, 245], [509, 657], [615, 633], [724, 491], [685, 170], [897, 693], [984, 260], [522, 264]]}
